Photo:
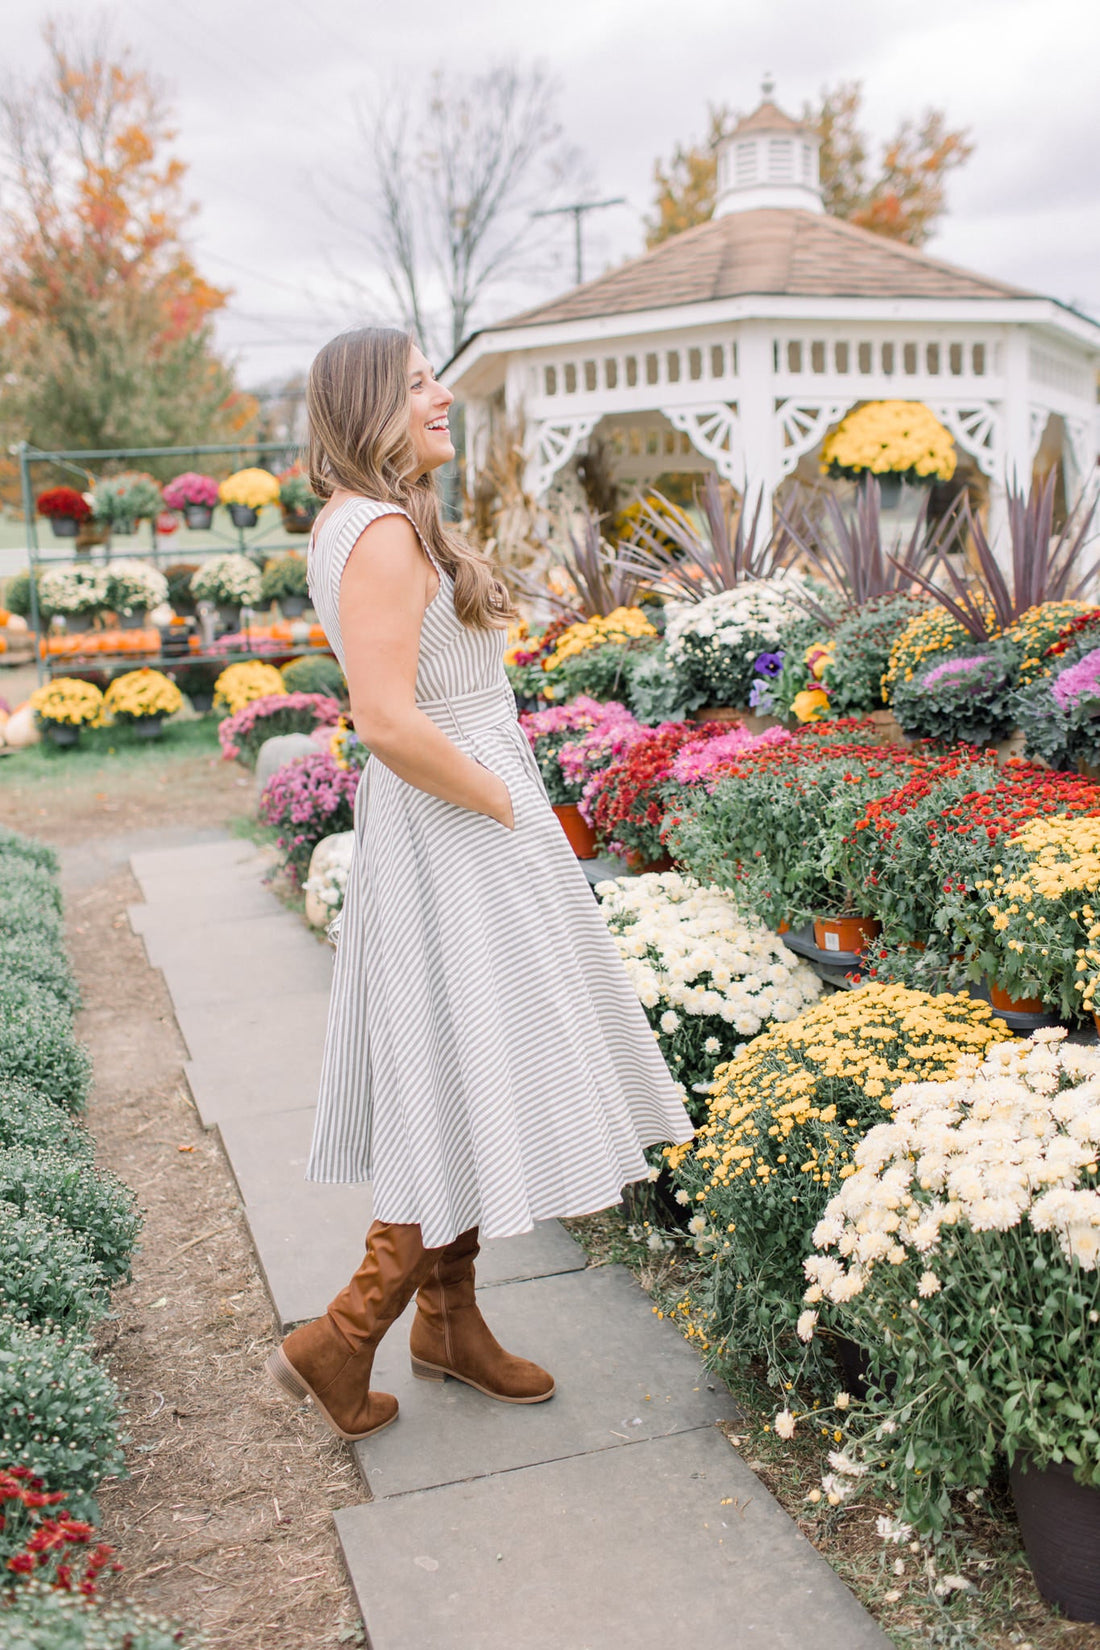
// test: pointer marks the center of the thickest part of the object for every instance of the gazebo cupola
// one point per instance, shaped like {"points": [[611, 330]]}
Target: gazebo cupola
{"points": [[768, 159]]}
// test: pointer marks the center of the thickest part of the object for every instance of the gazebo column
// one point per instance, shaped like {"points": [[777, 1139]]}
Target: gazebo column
{"points": [[477, 432], [761, 442]]}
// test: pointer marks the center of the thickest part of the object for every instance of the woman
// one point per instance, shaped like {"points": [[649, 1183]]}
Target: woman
{"points": [[486, 1063]]}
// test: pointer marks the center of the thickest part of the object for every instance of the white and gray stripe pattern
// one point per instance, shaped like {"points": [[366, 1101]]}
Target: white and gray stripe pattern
{"points": [[487, 1062]]}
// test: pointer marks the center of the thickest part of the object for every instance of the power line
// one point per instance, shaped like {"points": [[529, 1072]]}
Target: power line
{"points": [[578, 209]]}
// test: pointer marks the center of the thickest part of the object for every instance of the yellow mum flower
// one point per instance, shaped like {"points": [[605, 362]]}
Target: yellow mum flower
{"points": [[890, 438]]}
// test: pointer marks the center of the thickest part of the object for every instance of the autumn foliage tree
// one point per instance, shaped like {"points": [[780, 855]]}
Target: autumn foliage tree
{"points": [[106, 337], [902, 197]]}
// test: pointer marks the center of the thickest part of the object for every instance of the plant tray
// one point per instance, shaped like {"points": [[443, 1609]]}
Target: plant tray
{"points": [[1023, 1023], [801, 942]]}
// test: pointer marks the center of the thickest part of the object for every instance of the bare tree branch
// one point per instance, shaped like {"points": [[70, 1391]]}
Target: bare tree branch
{"points": [[447, 215]]}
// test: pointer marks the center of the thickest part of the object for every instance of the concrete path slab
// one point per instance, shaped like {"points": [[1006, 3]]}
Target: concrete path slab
{"points": [[249, 1085], [311, 1241], [667, 1542], [86, 863], [237, 899], [621, 1373], [254, 957], [614, 1514]]}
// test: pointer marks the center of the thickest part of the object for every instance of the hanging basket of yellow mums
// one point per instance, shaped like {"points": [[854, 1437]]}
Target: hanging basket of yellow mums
{"points": [[246, 492], [890, 438]]}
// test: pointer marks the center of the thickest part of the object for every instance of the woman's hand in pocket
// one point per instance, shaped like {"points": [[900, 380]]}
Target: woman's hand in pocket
{"points": [[502, 809]]}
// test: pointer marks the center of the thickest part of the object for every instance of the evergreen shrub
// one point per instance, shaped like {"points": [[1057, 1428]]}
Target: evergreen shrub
{"points": [[39, 960], [15, 844], [317, 675]]}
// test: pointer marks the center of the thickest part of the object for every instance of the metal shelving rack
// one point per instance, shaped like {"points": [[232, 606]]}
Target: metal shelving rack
{"points": [[85, 462]]}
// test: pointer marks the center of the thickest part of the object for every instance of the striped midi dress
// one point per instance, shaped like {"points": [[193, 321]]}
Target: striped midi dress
{"points": [[486, 1060]]}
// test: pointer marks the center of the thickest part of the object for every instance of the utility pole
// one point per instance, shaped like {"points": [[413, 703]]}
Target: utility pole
{"points": [[578, 209]]}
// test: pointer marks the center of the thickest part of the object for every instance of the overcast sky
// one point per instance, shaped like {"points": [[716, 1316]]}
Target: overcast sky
{"points": [[265, 92]]}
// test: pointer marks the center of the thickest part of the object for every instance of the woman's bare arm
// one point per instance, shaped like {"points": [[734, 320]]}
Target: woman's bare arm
{"points": [[386, 586]]}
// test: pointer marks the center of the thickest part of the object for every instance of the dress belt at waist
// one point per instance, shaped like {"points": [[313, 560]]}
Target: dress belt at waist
{"points": [[469, 713]]}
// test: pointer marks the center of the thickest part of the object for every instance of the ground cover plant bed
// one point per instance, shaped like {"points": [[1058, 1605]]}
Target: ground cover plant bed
{"points": [[906, 1585], [224, 1520]]}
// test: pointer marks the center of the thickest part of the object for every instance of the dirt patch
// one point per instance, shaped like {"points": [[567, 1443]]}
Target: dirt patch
{"points": [[226, 1519], [68, 796]]}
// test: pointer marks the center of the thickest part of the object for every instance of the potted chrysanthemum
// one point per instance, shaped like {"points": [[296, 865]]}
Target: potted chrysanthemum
{"points": [[141, 699], [246, 492], [78, 594], [231, 582], [64, 509], [965, 1242], [895, 441], [284, 581], [64, 706], [121, 501], [133, 587], [298, 501], [195, 495]]}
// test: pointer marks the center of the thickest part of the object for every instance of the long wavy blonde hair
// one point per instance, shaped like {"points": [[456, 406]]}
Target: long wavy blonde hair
{"points": [[358, 402]]}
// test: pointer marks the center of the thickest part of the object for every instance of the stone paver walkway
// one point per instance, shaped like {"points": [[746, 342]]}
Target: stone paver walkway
{"points": [[616, 1514]]}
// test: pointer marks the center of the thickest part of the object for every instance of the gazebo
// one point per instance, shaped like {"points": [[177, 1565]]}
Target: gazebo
{"points": [[739, 344]]}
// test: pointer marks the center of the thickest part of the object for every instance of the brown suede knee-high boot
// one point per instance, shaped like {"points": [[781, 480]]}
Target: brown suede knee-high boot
{"points": [[450, 1337], [330, 1359]]}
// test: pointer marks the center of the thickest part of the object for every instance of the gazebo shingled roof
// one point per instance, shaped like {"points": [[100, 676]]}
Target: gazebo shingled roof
{"points": [[769, 250]]}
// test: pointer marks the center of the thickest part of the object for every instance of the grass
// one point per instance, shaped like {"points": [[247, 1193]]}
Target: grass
{"points": [[111, 753], [998, 1610]]}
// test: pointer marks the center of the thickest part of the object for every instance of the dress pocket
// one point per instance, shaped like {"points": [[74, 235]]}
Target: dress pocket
{"points": [[511, 786]]}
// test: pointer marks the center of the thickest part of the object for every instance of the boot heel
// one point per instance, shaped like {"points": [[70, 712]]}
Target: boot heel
{"points": [[281, 1370], [427, 1372]]}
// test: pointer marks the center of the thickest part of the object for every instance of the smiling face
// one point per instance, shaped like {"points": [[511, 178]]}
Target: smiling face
{"points": [[428, 404]]}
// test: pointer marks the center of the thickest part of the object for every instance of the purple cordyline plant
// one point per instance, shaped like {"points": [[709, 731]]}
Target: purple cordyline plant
{"points": [[698, 761], [1080, 681], [236, 729], [305, 800]]}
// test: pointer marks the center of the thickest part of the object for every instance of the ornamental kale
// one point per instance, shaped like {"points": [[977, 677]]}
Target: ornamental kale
{"points": [[963, 699]]}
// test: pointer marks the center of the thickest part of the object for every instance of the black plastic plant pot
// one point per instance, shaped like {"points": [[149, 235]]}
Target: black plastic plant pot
{"points": [[243, 515], [293, 606], [60, 733], [1060, 1526], [147, 727], [64, 527], [123, 529], [890, 490], [198, 516], [298, 521]]}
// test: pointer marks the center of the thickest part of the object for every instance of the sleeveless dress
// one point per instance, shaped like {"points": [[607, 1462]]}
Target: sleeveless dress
{"points": [[487, 1062]]}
